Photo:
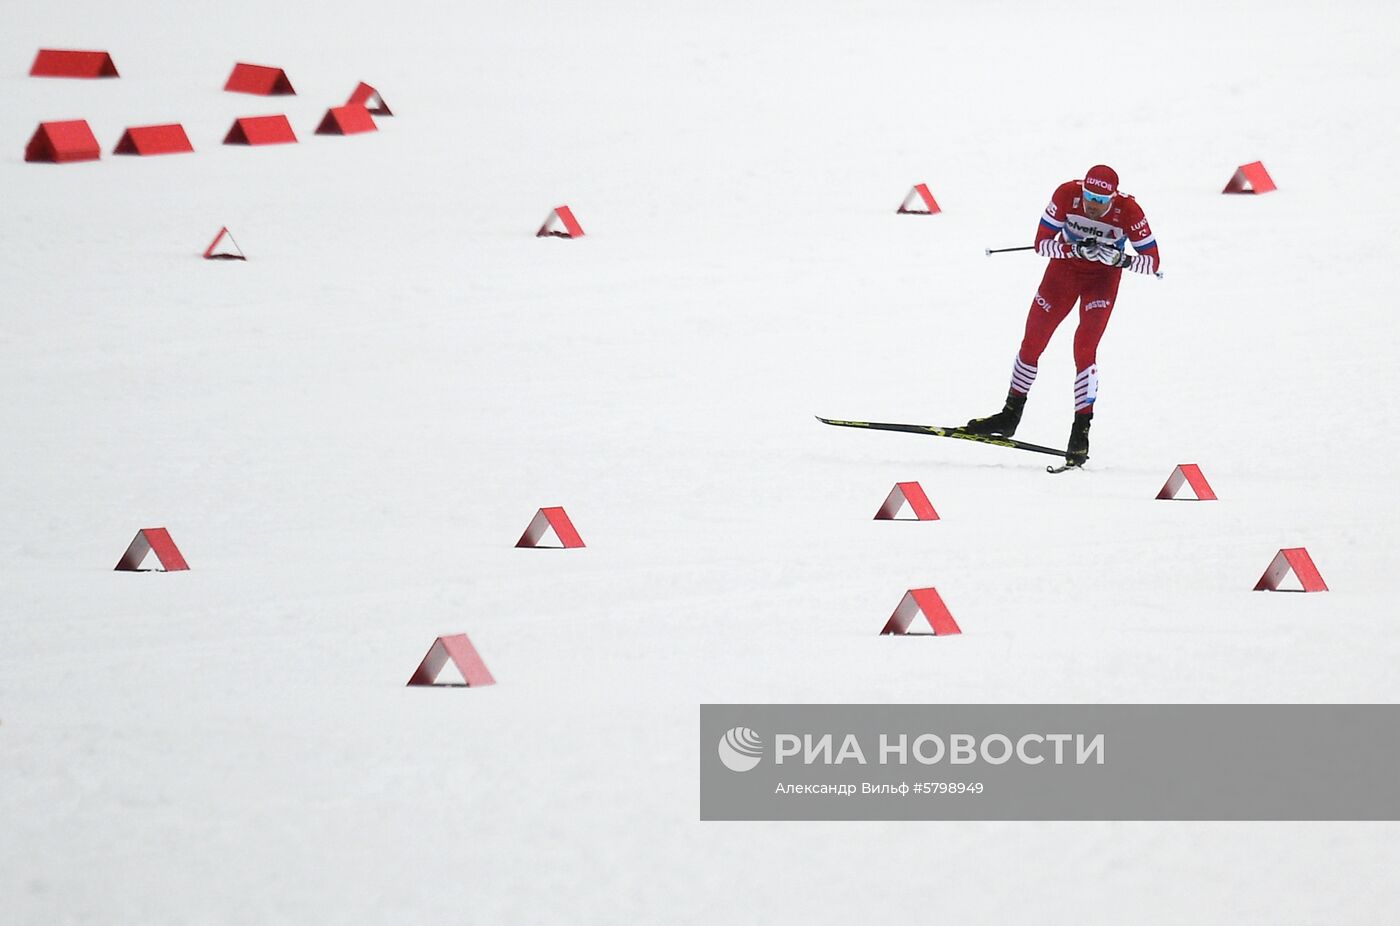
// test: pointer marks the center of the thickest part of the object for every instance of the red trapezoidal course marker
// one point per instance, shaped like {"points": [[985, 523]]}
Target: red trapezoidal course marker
{"points": [[1297, 560], [926, 602], [1188, 474], [1250, 178], [55, 62], [919, 195], [368, 97], [261, 130], [154, 139], [63, 143], [259, 79], [550, 519], [910, 492], [230, 251], [560, 223], [350, 119], [459, 650], [152, 540]]}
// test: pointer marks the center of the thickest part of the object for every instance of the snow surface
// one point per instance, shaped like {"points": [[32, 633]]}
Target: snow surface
{"points": [[346, 435]]}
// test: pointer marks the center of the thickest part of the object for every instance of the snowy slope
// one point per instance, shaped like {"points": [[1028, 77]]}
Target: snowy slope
{"points": [[347, 434]]}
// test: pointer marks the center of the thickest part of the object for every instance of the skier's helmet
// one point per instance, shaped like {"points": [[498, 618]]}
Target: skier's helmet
{"points": [[1100, 184]]}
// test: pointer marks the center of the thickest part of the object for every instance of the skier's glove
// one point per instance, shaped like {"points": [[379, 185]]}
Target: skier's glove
{"points": [[1087, 250], [1114, 257]]}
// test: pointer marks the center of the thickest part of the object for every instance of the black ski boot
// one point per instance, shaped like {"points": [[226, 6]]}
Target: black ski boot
{"points": [[1004, 422], [1078, 451]]}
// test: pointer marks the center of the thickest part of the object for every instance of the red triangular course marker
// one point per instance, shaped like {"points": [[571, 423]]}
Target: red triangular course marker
{"points": [[919, 196], [63, 142], [53, 62], [369, 98], [152, 540], [350, 119], [259, 79], [229, 251], [462, 654], [550, 519], [560, 223], [1188, 474], [1297, 560], [910, 492], [927, 602], [154, 139], [1250, 178], [261, 130]]}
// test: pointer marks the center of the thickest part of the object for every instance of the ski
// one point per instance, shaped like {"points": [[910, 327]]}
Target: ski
{"points": [[1064, 469], [935, 431]]}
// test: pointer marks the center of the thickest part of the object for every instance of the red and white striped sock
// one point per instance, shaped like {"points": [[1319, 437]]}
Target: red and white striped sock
{"points": [[1022, 376], [1086, 388]]}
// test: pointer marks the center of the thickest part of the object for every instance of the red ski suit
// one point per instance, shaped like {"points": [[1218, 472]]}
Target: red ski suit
{"points": [[1069, 279]]}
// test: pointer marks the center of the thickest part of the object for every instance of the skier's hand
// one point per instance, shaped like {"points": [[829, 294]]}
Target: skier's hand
{"points": [[1114, 257], [1087, 249]]}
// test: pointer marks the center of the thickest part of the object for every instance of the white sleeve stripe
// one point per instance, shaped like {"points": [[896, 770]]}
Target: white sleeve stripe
{"points": [[1050, 220], [1149, 242]]}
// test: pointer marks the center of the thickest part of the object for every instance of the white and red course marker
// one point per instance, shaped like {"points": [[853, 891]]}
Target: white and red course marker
{"points": [[223, 247], [1188, 474], [546, 520], [911, 493], [560, 223], [152, 540], [1296, 560], [919, 202], [458, 650], [1250, 178], [926, 602]]}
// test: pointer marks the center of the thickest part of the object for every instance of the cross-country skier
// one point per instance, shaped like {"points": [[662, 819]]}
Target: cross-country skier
{"points": [[1083, 232]]}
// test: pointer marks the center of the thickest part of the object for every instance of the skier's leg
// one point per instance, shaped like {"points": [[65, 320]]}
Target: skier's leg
{"points": [[1052, 303], [1095, 308]]}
